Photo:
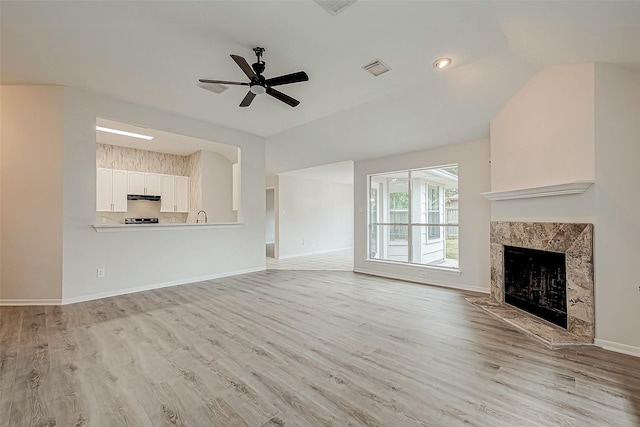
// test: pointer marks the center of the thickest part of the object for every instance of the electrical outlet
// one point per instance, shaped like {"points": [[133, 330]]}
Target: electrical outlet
{"points": [[101, 272], [173, 219], [104, 220]]}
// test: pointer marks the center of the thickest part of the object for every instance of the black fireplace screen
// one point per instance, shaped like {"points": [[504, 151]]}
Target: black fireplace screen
{"points": [[535, 281]]}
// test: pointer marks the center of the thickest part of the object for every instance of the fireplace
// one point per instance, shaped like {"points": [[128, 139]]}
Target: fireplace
{"points": [[574, 242], [535, 281]]}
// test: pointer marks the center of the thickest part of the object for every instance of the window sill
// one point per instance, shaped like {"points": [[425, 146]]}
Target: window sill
{"points": [[445, 270], [117, 228]]}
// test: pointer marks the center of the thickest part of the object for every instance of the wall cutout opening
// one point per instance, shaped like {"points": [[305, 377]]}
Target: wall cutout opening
{"points": [[164, 178]]}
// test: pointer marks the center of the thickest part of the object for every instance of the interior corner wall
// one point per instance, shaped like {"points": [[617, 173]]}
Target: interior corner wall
{"points": [[617, 187], [474, 178], [314, 216], [544, 135], [31, 190], [148, 259]]}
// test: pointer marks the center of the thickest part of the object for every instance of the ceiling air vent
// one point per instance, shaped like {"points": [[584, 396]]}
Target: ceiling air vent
{"points": [[377, 67], [334, 7], [213, 87]]}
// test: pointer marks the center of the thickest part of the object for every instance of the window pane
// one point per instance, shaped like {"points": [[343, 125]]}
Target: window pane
{"points": [[441, 252], [387, 249]]}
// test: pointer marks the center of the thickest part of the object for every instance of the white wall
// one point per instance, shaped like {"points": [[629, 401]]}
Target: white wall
{"points": [[474, 178], [133, 260], [270, 219], [217, 188], [31, 192], [151, 258], [617, 188], [544, 134], [314, 216]]}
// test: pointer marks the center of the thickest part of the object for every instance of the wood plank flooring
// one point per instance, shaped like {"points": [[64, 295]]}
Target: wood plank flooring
{"points": [[298, 348]]}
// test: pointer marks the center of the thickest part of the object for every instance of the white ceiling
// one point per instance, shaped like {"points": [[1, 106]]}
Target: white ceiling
{"points": [[152, 53], [162, 142]]}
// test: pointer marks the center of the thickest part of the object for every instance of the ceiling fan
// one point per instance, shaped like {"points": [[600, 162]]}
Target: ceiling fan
{"points": [[258, 84]]}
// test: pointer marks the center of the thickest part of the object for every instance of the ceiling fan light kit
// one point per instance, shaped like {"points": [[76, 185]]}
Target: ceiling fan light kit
{"points": [[258, 84]]}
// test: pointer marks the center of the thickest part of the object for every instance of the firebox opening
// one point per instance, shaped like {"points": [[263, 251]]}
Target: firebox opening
{"points": [[535, 281]]}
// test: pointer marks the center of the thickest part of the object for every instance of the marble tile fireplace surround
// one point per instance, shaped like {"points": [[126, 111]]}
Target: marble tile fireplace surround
{"points": [[575, 241]]}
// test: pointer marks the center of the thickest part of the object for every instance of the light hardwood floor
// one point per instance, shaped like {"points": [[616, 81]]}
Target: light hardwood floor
{"points": [[298, 348], [335, 261]]}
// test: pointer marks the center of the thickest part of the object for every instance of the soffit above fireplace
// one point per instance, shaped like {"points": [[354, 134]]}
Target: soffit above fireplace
{"points": [[575, 187]]}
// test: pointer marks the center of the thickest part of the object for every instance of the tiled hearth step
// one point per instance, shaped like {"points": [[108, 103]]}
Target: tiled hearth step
{"points": [[547, 333]]}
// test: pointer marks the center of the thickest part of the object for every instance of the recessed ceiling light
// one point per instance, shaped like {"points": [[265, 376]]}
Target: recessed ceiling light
{"points": [[125, 133], [441, 63]]}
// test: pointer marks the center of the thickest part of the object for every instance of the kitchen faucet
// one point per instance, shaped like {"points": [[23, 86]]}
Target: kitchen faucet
{"points": [[198, 217]]}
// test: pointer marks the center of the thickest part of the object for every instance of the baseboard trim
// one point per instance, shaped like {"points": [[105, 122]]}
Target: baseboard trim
{"points": [[83, 298], [617, 347], [427, 281], [23, 302], [315, 253], [151, 287]]}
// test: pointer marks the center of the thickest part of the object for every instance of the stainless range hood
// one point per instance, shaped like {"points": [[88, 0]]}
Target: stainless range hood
{"points": [[146, 197]]}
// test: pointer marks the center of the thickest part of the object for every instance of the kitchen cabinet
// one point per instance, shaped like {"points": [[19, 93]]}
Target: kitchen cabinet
{"points": [[145, 183], [111, 190], [153, 184], [175, 194]]}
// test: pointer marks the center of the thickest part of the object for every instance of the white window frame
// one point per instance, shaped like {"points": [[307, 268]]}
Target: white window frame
{"points": [[410, 225]]}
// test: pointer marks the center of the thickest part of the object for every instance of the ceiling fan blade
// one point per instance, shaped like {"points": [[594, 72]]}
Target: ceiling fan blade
{"points": [[282, 97], [223, 82], [247, 99], [300, 76], [242, 63]]}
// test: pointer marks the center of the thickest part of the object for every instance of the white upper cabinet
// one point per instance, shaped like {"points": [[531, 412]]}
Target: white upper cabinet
{"points": [[145, 183], [104, 190], [175, 194], [119, 190], [136, 182], [167, 199], [153, 184], [111, 190]]}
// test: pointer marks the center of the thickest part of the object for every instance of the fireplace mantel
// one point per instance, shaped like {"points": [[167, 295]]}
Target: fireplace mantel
{"points": [[575, 187]]}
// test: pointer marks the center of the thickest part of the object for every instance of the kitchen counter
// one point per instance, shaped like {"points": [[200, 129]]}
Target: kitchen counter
{"points": [[116, 228]]}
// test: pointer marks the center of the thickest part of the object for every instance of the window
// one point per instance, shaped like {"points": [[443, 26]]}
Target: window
{"points": [[413, 216], [433, 212]]}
